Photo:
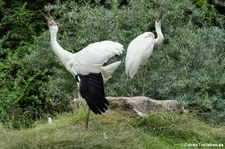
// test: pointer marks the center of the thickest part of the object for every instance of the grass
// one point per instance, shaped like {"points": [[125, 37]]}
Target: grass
{"points": [[115, 129]]}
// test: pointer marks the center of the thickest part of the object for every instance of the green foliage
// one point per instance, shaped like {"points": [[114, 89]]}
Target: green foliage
{"points": [[2, 3], [29, 89], [195, 57], [188, 67], [212, 9], [21, 25]]}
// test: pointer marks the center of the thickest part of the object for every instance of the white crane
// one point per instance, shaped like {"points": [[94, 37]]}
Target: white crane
{"points": [[140, 49], [87, 68]]}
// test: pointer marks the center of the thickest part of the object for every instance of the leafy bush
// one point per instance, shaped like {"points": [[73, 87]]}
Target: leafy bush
{"points": [[188, 67], [18, 25]]}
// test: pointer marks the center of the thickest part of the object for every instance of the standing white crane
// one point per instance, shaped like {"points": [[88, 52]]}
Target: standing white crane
{"points": [[87, 68], [139, 51]]}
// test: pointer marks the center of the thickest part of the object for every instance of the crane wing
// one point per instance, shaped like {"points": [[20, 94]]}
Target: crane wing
{"points": [[92, 90], [138, 52], [91, 58], [108, 70]]}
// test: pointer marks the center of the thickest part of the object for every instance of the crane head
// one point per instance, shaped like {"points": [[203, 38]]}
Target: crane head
{"points": [[160, 17], [49, 19]]}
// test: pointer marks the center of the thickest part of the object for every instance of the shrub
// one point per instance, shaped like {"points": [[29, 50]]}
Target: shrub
{"points": [[188, 67]]}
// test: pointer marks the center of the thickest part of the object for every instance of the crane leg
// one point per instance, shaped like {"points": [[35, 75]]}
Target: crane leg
{"points": [[78, 95], [87, 118], [132, 87], [143, 81]]}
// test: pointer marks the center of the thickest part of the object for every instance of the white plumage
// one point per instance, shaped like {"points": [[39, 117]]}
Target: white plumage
{"points": [[108, 70], [140, 49], [87, 68], [88, 60], [138, 52], [92, 58]]}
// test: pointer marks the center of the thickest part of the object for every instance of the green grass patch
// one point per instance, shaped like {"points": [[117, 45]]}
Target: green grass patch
{"points": [[115, 129]]}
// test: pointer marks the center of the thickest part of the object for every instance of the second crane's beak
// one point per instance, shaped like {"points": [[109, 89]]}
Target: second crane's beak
{"points": [[160, 17], [49, 19]]}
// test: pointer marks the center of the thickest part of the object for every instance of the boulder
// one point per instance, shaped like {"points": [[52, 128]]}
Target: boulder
{"points": [[140, 104]]}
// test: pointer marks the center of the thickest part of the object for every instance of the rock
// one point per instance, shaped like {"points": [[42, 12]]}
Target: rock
{"points": [[144, 104], [139, 103]]}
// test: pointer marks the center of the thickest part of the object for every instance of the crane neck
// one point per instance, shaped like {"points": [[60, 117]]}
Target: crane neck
{"points": [[63, 55], [159, 33], [53, 36]]}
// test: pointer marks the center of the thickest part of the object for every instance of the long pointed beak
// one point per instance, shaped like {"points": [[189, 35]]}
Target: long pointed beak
{"points": [[46, 17], [49, 16], [160, 17], [49, 19]]}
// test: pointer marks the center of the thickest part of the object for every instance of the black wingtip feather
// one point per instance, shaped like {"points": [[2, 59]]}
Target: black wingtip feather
{"points": [[92, 90]]}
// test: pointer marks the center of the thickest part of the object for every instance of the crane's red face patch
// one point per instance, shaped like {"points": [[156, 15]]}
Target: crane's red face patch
{"points": [[51, 23]]}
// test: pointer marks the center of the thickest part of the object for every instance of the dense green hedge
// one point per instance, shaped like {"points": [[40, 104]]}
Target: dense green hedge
{"points": [[188, 67]]}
